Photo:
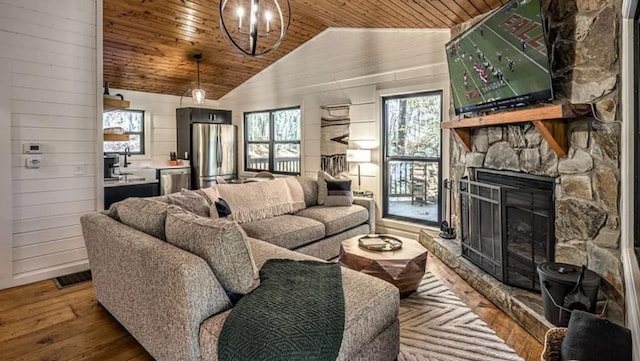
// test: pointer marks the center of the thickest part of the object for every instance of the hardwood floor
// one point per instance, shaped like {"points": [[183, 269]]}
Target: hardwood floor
{"points": [[41, 322]]}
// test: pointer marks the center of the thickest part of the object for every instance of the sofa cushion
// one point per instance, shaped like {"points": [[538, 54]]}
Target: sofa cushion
{"points": [[286, 231], [371, 305], [322, 184], [220, 242], [310, 190], [145, 215], [339, 192], [336, 219], [190, 201]]}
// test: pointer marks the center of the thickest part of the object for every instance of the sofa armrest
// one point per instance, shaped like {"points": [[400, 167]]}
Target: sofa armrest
{"points": [[158, 292], [370, 205]]}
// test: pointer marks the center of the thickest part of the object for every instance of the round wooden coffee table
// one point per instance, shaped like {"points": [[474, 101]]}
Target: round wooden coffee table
{"points": [[403, 268]]}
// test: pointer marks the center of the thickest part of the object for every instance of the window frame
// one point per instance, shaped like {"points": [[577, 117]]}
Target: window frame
{"points": [[271, 143], [386, 159], [636, 136], [142, 134]]}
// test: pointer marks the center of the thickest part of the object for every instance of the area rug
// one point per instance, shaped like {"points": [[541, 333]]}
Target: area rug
{"points": [[435, 325]]}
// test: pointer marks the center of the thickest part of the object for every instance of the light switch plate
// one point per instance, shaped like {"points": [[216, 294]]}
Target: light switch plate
{"points": [[78, 169]]}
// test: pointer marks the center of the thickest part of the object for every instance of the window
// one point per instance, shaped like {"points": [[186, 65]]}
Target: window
{"points": [[132, 121], [272, 141], [412, 151]]}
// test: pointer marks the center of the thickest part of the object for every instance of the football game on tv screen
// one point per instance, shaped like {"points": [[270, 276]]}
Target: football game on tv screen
{"points": [[502, 61]]}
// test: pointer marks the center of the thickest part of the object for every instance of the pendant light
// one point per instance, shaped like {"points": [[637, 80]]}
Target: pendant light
{"points": [[198, 94], [261, 24]]}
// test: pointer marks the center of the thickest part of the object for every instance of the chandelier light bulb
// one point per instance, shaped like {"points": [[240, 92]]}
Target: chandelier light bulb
{"points": [[240, 12], [268, 16]]}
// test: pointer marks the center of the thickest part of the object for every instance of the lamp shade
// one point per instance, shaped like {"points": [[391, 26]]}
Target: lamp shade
{"points": [[359, 155]]}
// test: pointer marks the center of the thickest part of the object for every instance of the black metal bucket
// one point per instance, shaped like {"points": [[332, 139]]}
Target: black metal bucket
{"points": [[556, 281]]}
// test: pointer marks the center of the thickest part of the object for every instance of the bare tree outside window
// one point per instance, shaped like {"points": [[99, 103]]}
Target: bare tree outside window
{"points": [[132, 121], [272, 141]]}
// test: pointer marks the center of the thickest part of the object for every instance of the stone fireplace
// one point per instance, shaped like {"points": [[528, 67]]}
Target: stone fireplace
{"points": [[583, 39], [507, 224]]}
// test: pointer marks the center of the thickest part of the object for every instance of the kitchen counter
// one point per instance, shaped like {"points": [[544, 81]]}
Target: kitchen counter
{"points": [[128, 182], [171, 166]]}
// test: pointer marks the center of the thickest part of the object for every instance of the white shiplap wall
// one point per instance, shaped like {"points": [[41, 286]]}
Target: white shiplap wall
{"points": [[355, 65], [160, 130], [50, 49]]}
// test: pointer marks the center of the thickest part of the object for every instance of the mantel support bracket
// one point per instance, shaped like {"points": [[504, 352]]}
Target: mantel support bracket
{"points": [[463, 136], [555, 133]]}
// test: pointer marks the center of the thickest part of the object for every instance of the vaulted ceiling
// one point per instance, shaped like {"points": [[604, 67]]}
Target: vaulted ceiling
{"points": [[149, 44]]}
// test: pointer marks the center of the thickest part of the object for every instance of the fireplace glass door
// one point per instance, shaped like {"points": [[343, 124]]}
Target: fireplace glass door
{"points": [[507, 222], [527, 221]]}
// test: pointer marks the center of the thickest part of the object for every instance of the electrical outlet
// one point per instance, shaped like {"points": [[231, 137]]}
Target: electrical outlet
{"points": [[78, 169]]}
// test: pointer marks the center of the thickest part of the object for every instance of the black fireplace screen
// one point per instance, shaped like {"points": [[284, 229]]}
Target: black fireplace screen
{"points": [[508, 225]]}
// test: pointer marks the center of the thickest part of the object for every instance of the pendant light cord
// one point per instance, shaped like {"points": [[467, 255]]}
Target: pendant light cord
{"points": [[198, 57], [198, 73]]}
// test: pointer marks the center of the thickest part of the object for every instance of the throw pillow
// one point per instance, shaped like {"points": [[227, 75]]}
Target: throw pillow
{"points": [[310, 190], [143, 214], [322, 184], [190, 201], [213, 211], [591, 338], [222, 208], [199, 192], [220, 242], [212, 193], [339, 193]]}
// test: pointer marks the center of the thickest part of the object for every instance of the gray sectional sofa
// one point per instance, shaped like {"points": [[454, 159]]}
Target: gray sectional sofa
{"points": [[174, 301]]}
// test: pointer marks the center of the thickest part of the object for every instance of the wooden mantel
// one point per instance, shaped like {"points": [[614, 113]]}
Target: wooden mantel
{"points": [[551, 122]]}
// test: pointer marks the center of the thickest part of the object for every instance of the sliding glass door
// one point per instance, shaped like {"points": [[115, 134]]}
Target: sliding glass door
{"points": [[412, 150]]}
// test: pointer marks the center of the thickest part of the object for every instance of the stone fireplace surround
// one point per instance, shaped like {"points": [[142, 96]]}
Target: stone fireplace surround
{"points": [[583, 48]]}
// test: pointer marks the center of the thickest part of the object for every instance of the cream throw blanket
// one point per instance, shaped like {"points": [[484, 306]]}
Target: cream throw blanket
{"points": [[259, 200]]}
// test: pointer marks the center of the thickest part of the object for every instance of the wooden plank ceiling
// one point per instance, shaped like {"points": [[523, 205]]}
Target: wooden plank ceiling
{"points": [[149, 44]]}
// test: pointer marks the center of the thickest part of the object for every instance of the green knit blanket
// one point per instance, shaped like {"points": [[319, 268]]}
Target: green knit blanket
{"points": [[297, 313]]}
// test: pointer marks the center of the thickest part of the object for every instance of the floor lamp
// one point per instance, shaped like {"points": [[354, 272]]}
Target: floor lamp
{"points": [[359, 156]]}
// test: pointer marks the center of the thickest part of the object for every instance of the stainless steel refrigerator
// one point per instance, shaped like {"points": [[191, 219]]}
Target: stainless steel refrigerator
{"points": [[213, 153]]}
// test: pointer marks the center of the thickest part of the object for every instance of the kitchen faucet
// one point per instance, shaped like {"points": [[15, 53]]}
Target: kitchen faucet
{"points": [[127, 152]]}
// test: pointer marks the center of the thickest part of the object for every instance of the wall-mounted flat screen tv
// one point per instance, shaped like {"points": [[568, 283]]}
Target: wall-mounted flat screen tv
{"points": [[502, 61]]}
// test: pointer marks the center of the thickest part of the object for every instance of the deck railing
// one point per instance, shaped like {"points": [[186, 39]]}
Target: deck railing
{"points": [[400, 178], [282, 164], [413, 178]]}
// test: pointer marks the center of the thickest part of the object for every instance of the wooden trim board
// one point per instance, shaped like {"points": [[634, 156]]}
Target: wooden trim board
{"points": [[551, 121], [110, 104]]}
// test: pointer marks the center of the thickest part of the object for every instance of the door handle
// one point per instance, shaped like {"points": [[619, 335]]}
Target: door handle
{"points": [[219, 150]]}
